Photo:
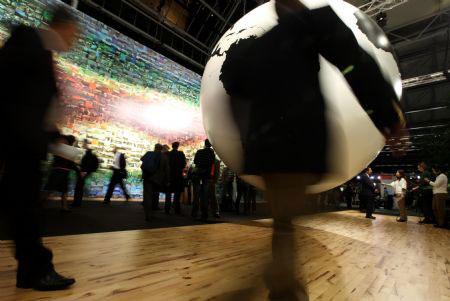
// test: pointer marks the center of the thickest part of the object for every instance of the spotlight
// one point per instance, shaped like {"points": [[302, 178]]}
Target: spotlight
{"points": [[381, 19]]}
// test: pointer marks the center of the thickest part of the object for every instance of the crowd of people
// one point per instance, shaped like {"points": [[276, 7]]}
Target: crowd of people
{"points": [[428, 188]]}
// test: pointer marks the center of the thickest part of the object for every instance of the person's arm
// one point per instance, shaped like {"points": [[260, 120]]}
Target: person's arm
{"points": [[337, 43], [439, 181]]}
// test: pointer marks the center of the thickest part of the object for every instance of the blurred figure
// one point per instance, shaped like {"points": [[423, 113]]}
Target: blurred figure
{"points": [[440, 195], [349, 194], [241, 188], [213, 201], [250, 205], [58, 179], [28, 87], [399, 187], [155, 175], [228, 177], [368, 191], [89, 164], [425, 197], [119, 169], [177, 163], [204, 162]]}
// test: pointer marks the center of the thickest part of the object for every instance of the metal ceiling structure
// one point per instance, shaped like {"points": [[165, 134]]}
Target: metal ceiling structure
{"points": [[418, 30]]}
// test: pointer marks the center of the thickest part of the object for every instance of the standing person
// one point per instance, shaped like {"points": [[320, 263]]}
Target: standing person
{"points": [[58, 179], [155, 175], [28, 87], [425, 198], [250, 205], [440, 195], [89, 164], [228, 177], [399, 186], [204, 162], [177, 163], [241, 188], [213, 201], [119, 169], [368, 191]]}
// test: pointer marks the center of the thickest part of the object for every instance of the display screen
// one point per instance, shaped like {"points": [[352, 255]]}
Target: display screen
{"points": [[117, 92]]}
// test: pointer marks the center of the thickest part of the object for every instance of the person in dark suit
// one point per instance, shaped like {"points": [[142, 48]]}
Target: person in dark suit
{"points": [[177, 163], [119, 169], [204, 161], [367, 194], [28, 87], [155, 176]]}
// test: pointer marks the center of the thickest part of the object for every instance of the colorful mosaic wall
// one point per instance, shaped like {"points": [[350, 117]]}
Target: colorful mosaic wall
{"points": [[117, 92]]}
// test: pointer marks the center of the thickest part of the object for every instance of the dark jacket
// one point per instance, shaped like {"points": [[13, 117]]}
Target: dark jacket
{"points": [[177, 163], [368, 188], [204, 161], [161, 175], [27, 85]]}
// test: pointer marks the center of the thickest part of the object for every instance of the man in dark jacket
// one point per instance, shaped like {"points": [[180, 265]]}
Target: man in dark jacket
{"points": [[204, 161], [155, 175], [177, 163], [368, 190], [28, 87]]}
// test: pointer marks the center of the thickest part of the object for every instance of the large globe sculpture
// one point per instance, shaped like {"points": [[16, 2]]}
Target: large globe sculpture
{"points": [[354, 141]]}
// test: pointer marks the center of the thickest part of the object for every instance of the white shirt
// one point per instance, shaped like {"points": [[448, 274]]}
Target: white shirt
{"points": [[399, 186], [116, 164], [440, 185]]}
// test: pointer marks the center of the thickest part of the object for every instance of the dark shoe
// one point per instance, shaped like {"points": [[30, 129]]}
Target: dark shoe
{"points": [[371, 217], [400, 220], [106, 202], [217, 215], [75, 205], [52, 282], [437, 226]]}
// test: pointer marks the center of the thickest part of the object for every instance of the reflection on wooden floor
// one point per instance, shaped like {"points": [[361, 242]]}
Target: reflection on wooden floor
{"points": [[343, 255]]}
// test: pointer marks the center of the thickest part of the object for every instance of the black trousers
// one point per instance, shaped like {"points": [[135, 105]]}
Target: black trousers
{"points": [[117, 178], [201, 197], [241, 193], [79, 189], [151, 196], [176, 201], [426, 202], [23, 214], [369, 202]]}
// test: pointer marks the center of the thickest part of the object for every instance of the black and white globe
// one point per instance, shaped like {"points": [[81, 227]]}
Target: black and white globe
{"points": [[354, 141]]}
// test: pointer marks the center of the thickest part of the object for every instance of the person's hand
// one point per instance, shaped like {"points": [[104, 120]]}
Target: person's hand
{"points": [[397, 139], [427, 180]]}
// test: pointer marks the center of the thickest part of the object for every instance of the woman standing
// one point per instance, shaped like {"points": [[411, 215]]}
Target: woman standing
{"points": [[399, 187], [439, 195]]}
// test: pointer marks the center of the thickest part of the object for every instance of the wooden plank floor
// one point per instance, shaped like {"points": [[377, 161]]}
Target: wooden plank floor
{"points": [[343, 255]]}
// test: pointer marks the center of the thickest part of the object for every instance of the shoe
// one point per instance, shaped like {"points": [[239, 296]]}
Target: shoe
{"points": [[106, 202], [52, 281], [401, 220], [217, 215], [75, 205], [371, 217], [437, 226]]}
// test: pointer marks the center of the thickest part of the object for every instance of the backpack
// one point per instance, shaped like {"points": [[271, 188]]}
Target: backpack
{"points": [[90, 162], [150, 162]]}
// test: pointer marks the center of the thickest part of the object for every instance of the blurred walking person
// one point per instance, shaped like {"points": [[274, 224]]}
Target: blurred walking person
{"points": [[28, 87], [119, 169]]}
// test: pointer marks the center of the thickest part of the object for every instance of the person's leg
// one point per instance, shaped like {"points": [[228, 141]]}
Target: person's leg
{"points": [[177, 201], [428, 207], [156, 190], [124, 188], [147, 198], [79, 190], [369, 206], [111, 186], [196, 198], [237, 203], [286, 195], [204, 198], [440, 209], [402, 209], [168, 202]]}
